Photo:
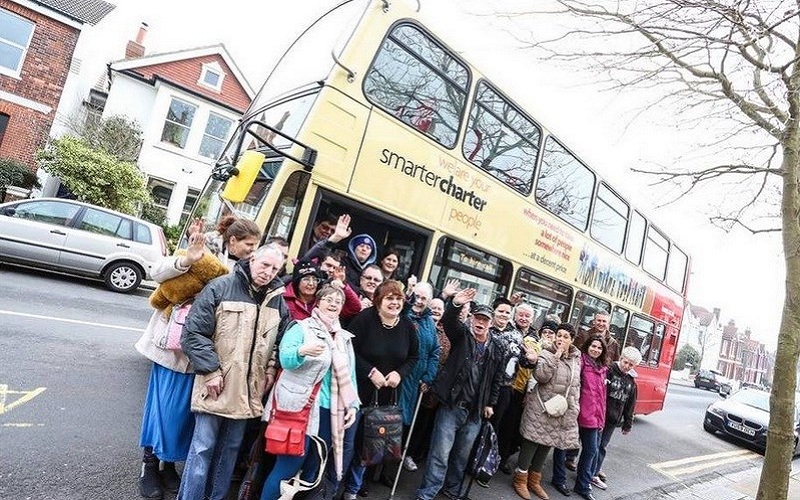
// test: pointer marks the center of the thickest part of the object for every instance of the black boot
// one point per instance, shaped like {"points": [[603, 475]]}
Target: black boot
{"points": [[170, 479], [150, 481]]}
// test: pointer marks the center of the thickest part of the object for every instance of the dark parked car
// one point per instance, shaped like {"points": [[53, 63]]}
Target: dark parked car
{"points": [[745, 416], [713, 380]]}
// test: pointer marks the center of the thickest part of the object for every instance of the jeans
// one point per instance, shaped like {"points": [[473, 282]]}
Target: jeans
{"points": [[605, 437], [559, 467], [212, 456], [590, 443], [286, 466], [454, 433], [331, 482]]}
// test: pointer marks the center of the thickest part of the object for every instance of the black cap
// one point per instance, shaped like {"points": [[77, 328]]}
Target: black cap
{"points": [[482, 310], [550, 325]]}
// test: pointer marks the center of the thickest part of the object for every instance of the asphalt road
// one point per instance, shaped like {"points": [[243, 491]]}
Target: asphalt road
{"points": [[72, 386]]}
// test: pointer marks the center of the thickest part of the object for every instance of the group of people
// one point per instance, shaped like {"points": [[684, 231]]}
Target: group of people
{"points": [[341, 333]]}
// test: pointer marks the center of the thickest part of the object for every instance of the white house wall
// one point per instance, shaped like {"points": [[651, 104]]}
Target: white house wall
{"points": [[183, 168]]}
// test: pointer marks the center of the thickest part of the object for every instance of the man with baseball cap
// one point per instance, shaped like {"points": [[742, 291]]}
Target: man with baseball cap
{"points": [[467, 386]]}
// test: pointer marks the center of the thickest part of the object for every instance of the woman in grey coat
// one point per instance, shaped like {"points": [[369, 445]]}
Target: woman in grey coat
{"points": [[557, 372]]}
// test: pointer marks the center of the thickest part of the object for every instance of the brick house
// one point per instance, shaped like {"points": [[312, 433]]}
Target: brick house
{"points": [[37, 41], [188, 104], [742, 358]]}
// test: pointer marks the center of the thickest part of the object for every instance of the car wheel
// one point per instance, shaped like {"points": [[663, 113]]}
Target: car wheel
{"points": [[708, 428], [123, 277]]}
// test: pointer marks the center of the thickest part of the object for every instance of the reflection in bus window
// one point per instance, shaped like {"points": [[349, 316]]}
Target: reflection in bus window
{"points": [[633, 250], [565, 185], [676, 269], [656, 248], [419, 83], [546, 296], [501, 140], [647, 336], [287, 116], [585, 308], [618, 323], [284, 218], [488, 274], [609, 219]]}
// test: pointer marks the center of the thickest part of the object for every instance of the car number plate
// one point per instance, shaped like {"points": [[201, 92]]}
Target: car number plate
{"points": [[742, 428]]}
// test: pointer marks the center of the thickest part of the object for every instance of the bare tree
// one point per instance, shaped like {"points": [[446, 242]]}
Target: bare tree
{"points": [[734, 63]]}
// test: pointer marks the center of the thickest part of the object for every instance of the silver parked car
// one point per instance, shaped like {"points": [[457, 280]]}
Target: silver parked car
{"points": [[79, 238]]}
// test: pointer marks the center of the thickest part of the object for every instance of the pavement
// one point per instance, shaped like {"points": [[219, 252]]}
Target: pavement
{"points": [[742, 485]]}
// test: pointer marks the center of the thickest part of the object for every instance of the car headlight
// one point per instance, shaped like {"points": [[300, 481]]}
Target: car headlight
{"points": [[716, 411]]}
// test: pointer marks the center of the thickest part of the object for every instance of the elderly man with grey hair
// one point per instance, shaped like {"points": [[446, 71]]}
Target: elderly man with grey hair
{"points": [[230, 337]]}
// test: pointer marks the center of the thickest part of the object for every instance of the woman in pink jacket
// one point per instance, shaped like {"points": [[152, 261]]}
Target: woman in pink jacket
{"points": [[592, 415]]}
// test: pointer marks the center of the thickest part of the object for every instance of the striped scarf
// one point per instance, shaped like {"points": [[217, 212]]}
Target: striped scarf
{"points": [[343, 395]]}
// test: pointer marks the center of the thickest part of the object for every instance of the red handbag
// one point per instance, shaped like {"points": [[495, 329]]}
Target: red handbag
{"points": [[286, 430]]}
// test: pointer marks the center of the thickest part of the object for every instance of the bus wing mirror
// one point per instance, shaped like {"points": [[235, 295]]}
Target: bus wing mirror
{"points": [[244, 175]]}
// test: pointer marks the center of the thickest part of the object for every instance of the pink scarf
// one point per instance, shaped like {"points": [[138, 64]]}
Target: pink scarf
{"points": [[343, 395]]}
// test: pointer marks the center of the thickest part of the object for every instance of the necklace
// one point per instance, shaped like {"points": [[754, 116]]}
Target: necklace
{"points": [[392, 325]]}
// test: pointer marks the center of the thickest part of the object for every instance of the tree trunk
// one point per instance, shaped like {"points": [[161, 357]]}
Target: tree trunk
{"points": [[774, 482]]}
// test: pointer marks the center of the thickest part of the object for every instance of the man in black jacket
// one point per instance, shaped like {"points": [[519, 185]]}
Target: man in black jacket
{"points": [[467, 387]]}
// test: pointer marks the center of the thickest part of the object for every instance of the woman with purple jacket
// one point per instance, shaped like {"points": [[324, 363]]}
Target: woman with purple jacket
{"points": [[592, 415]]}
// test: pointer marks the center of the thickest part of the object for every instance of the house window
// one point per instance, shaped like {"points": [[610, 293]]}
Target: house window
{"points": [[178, 123], [15, 37], [191, 198], [211, 76], [3, 126], [161, 192], [216, 134]]}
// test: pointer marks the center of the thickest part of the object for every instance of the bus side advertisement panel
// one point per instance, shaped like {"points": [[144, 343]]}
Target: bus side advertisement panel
{"points": [[404, 173]]}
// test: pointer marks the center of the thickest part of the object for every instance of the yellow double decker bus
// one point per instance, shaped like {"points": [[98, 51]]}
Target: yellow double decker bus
{"points": [[381, 120]]}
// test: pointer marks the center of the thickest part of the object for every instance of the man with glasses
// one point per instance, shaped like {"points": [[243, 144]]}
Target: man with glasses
{"points": [[371, 277]]}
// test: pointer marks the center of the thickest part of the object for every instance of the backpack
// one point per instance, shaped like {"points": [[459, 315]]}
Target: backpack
{"points": [[485, 456]]}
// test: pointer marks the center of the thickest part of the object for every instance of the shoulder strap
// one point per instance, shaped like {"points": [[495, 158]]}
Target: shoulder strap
{"points": [[571, 378]]}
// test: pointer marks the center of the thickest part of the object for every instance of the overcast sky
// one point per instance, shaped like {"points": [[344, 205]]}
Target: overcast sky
{"points": [[739, 273]]}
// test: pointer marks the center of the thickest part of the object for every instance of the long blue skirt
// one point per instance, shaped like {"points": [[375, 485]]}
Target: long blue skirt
{"points": [[167, 419]]}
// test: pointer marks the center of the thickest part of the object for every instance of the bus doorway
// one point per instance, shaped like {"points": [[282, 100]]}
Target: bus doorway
{"points": [[391, 234]]}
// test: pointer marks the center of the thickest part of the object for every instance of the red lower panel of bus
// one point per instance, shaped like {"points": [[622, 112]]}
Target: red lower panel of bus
{"points": [[651, 387]]}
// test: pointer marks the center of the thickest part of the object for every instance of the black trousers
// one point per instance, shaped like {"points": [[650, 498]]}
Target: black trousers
{"points": [[508, 437]]}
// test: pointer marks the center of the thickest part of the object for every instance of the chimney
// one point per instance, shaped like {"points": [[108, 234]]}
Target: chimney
{"points": [[135, 49]]}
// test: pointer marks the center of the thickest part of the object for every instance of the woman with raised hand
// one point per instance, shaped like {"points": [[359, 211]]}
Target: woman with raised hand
{"points": [[167, 420]]}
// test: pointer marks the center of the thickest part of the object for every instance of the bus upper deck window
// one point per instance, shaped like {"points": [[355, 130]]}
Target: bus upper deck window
{"points": [[565, 185], [414, 79], [501, 140]]}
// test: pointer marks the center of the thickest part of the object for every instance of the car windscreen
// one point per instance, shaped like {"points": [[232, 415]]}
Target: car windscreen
{"points": [[756, 399]]}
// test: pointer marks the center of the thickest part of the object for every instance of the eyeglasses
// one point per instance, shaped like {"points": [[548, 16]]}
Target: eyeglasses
{"points": [[372, 278], [311, 280], [331, 300]]}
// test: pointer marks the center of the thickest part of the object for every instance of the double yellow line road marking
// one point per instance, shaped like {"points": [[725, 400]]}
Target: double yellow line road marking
{"points": [[691, 465]]}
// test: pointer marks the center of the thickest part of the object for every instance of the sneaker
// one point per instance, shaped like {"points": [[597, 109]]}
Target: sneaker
{"points": [[349, 496], [409, 464], [482, 483], [602, 476], [596, 481], [571, 465]]}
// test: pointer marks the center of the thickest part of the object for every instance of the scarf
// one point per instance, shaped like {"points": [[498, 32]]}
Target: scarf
{"points": [[343, 394]]}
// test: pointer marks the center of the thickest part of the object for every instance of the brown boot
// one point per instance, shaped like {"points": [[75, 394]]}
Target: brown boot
{"points": [[520, 484], [535, 485]]}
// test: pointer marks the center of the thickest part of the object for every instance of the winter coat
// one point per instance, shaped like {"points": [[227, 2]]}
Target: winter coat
{"points": [[452, 373], [511, 340], [300, 374], [427, 365], [553, 377], [592, 402], [620, 397], [297, 308], [232, 331], [352, 265], [176, 285]]}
